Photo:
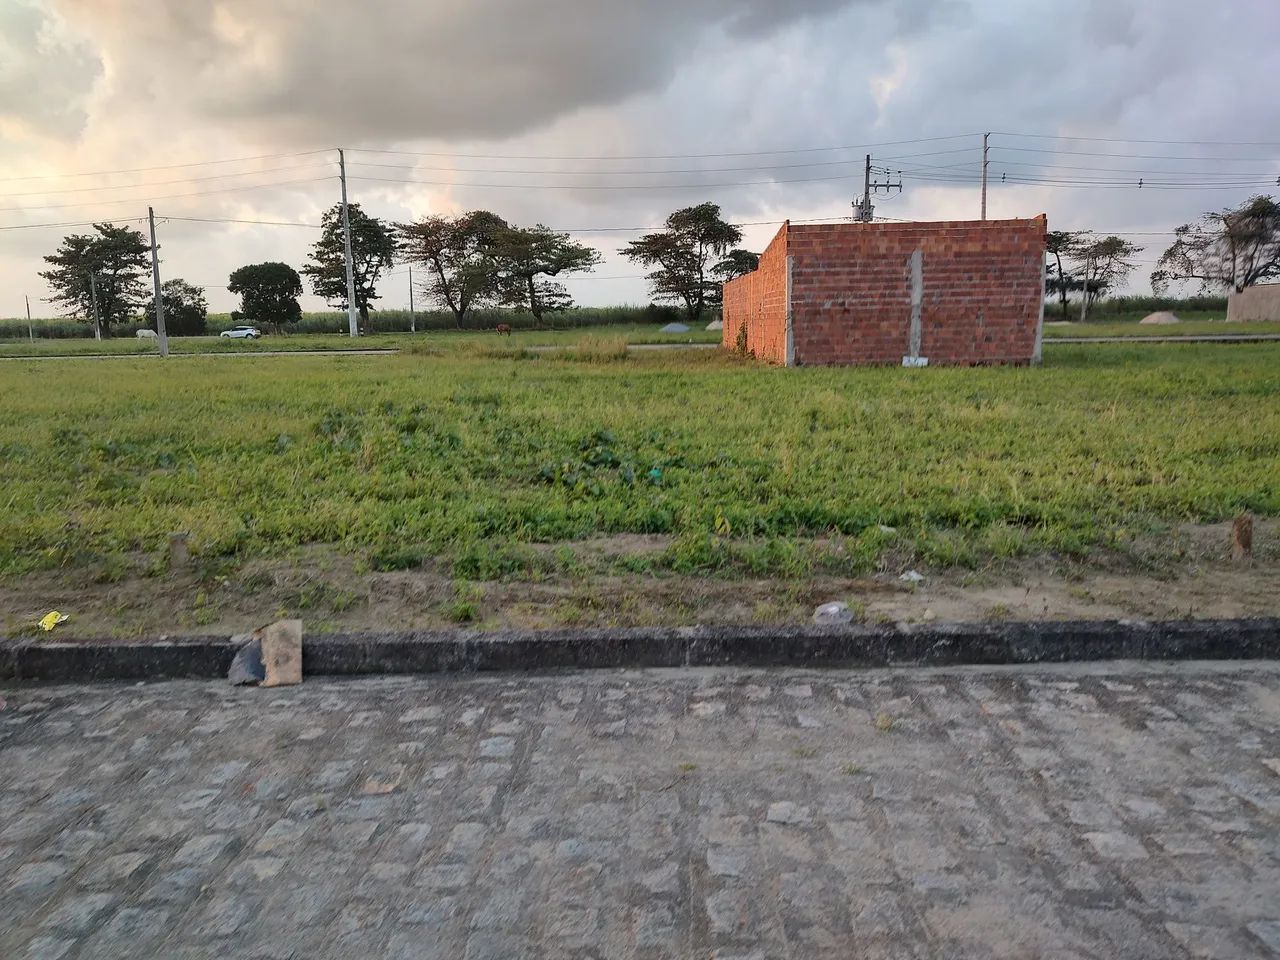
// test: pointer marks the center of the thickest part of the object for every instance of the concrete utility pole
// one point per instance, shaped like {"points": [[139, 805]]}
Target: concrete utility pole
{"points": [[985, 137], [864, 212], [30, 335], [97, 319], [155, 280], [413, 319], [353, 326]]}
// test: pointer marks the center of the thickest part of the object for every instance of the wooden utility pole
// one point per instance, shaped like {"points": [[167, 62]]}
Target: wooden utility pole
{"points": [[97, 318], [353, 326], [155, 280], [985, 137], [413, 321]]}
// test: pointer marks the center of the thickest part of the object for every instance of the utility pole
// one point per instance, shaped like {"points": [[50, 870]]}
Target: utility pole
{"points": [[352, 326], [97, 318], [985, 137], [155, 280], [30, 335], [864, 211], [413, 319]]}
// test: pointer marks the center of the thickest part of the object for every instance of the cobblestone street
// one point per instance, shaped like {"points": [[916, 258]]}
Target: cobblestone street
{"points": [[1096, 811]]}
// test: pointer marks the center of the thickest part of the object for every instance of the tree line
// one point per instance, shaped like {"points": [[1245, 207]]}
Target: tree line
{"points": [[478, 259], [471, 260]]}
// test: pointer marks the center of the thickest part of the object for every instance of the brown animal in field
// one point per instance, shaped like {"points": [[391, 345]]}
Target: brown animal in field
{"points": [[1242, 538], [504, 328]]}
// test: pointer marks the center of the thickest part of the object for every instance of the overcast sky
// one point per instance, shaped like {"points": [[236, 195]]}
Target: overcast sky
{"points": [[614, 112]]}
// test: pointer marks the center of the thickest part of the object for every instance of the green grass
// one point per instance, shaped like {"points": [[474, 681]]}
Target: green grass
{"points": [[382, 321], [474, 459], [631, 332], [1126, 325]]}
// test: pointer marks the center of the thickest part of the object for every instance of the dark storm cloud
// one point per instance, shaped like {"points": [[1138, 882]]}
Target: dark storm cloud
{"points": [[405, 68]]}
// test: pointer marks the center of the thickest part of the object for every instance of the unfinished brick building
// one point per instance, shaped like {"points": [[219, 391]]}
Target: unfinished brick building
{"points": [[957, 292]]}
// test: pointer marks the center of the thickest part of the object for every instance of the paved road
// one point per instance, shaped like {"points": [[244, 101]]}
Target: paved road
{"points": [[1104, 812], [184, 356]]}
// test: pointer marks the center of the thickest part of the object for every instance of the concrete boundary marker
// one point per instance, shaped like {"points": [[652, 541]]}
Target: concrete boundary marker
{"points": [[470, 651]]}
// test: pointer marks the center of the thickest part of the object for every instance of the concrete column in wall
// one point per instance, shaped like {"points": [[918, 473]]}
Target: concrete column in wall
{"points": [[913, 358], [791, 337], [1036, 355]]}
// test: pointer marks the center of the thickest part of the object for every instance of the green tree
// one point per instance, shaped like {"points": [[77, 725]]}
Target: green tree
{"points": [[522, 256], [455, 252], [1062, 281], [680, 256], [185, 309], [117, 258], [1228, 250], [1105, 264], [373, 249], [735, 263], [268, 292]]}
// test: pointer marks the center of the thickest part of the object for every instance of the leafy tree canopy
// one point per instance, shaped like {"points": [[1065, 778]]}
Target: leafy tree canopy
{"points": [[522, 256], [454, 251], [1227, 250], [373, 249], [186, 311], [735, 263], [117, 258], [680, 256], [268, 292]]}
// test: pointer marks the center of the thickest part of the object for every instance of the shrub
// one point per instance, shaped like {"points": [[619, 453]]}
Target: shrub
{"points": [[599, 350]]}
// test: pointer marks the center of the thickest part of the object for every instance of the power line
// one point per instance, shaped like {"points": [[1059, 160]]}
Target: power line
{"points": [[933, 153], [1207, 143], [1134, 156], [611, 186], [603, 173], [661, 156], [265, 223], [1138, 170], [69, 223], [159, 183], [171, 196], [1145, 183], [168, 166]]}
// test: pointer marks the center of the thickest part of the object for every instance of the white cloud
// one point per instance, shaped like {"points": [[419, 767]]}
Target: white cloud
{"points": [[46, 74]]}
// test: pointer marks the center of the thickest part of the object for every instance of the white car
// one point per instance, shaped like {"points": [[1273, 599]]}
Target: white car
{"points": [[241, 333]]}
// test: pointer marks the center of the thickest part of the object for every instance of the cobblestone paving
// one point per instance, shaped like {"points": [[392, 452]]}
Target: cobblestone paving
{"points": [[1101, 812]]}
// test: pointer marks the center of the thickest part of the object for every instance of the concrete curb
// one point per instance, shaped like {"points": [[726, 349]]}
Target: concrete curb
{"points": [[37, 659]]}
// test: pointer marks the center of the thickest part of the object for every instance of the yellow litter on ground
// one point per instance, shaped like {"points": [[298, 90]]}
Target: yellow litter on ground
{"points": [[51, 620]]}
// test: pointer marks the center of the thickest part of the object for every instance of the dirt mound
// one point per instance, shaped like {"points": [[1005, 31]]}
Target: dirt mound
{"points": [[1160, 317]]}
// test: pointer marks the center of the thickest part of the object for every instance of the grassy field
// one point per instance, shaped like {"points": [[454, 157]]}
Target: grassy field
{"points": [[469, 458], [636, 333], [1129, 327], [632, 333], [382, 321]]}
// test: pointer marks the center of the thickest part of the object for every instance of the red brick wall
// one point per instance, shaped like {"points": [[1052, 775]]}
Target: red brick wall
{"points": [[851, 290], [759, 299]]}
